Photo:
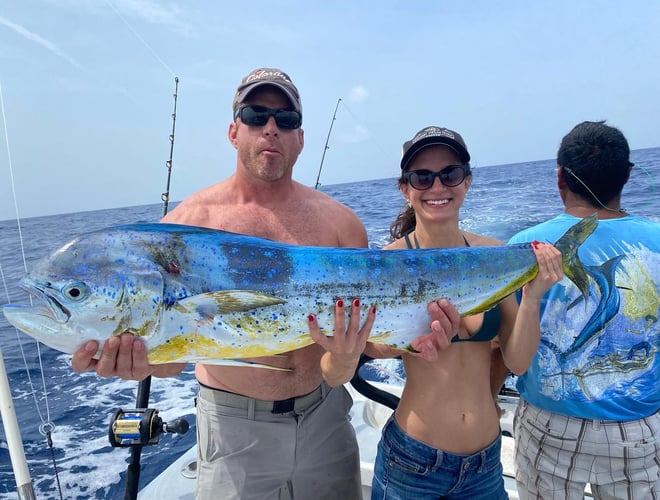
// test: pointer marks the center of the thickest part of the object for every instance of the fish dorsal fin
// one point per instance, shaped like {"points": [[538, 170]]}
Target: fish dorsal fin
{"points": [[227, 301]]}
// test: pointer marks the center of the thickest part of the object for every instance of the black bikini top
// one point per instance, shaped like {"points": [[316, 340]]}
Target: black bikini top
{"points": [[492, 318]]}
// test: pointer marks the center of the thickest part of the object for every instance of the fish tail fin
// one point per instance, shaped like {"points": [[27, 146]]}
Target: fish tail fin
{"points": [[569, 244]]}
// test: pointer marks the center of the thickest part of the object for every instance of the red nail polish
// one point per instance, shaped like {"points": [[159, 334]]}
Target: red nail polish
{"points": [[310, 318], [535, 245], [356, 302], [340, 303], [373, 309]]}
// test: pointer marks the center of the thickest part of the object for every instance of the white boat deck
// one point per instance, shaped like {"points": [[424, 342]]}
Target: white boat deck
{"points": [[368, 417]]}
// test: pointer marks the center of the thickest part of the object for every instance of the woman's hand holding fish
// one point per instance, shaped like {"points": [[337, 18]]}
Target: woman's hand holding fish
{"points": [[550, 271], [519, 347], [344, 347], [124, 357], [444, 325]]}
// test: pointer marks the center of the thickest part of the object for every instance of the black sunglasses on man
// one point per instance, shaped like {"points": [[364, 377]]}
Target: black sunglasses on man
{"points": [[258, 116]]}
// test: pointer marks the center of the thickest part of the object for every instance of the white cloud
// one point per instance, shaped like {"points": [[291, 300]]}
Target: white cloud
{"points": [[358, 134], [153, 13], [359, 93], [33, 37], [149, 11]]}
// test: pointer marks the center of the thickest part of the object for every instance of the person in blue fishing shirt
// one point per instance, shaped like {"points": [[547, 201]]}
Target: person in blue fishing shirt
{"points": [[588, 409], [444, 440]]}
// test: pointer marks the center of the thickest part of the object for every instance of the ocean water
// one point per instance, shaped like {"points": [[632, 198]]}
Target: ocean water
{"points": [[503, 199]]}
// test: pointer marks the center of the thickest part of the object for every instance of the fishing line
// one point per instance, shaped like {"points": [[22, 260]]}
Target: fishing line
{"points": [[619, 210], [650, 199], [47, 420], [137, 35], [47, 426], [327, 141], [361, 125], [144, 386], [616, 210], [11, 177]]}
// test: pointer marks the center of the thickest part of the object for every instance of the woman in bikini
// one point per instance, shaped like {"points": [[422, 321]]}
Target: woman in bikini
{"points": [[443, 441]]}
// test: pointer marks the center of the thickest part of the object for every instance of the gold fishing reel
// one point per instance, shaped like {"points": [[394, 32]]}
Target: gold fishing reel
{"points": [[141, 426]]}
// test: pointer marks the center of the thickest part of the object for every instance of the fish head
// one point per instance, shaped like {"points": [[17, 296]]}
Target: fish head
{"points": [[86, 291]]}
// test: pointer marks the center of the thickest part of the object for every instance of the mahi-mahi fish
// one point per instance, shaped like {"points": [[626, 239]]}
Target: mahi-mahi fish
{"points": [[204, 295]]}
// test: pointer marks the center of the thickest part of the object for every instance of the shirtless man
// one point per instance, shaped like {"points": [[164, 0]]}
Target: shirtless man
{"points": [[261, 433]]}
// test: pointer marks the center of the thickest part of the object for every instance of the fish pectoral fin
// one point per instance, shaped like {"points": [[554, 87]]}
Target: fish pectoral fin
{"points": [[228, 301]]}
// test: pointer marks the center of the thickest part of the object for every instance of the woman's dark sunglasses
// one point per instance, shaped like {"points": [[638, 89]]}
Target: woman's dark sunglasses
{"points": [[257, 116], [450, 176]]}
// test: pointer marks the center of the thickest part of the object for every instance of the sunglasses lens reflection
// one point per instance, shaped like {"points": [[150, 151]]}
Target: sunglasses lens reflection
{"points": [[451, 176], [421, 179]]}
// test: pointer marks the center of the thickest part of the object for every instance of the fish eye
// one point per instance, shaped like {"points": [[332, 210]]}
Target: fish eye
{"points": [[75, 291]]}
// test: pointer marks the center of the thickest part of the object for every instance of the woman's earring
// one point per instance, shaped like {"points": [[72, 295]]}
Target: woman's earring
{"points": [[409, 204]]}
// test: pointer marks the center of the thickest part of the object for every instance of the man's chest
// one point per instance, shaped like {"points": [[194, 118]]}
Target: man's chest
{"points": [[292, 228]]}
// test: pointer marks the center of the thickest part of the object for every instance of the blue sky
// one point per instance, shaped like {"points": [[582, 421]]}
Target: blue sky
{"points": [[87, 86]]}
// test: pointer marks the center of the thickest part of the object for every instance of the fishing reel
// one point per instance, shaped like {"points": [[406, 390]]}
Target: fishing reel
{"points": [[141, 426]]}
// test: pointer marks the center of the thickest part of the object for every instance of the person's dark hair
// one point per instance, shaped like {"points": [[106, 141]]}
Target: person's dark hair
{"points": [[406, 221], [596, 161]]}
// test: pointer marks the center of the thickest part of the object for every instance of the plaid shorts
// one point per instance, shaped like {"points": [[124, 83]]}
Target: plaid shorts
{"points": [[557, 456]]}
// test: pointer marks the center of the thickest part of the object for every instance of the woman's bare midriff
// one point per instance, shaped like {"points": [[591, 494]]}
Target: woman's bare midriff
{"points": [[448, 404]]}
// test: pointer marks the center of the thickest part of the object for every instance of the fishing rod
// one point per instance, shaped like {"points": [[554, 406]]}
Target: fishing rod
{"points": [[141, 425], [358, 382], [316, 186], [166, 195]]}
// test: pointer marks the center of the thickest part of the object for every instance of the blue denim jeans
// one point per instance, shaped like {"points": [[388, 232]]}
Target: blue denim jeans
{"points": [[407, 469]]}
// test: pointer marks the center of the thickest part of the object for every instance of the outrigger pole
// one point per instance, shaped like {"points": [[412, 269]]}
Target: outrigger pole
{"points": [[7, 412], [316, 186], [14, 441], [144, 387]]}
